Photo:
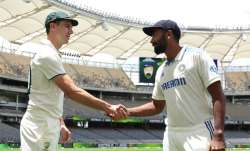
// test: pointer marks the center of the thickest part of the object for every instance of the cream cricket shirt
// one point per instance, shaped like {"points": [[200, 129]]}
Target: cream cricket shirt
{"points": [[44, 93], [183, 84]]}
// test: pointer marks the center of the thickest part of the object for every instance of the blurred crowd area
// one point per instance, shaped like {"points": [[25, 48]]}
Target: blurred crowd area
{"points": [[17, 66]]}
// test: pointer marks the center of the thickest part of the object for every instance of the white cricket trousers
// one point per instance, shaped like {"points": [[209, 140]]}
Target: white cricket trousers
{"points": [[194, 138], [39, 132]]}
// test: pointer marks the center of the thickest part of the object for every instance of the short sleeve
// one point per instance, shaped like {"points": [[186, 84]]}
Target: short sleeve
{"points": [[157, 91], [51, 66], [207, 69]]}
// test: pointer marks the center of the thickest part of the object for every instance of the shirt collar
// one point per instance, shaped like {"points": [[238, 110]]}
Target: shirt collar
{"points": [[178, 57], [181, 53]]}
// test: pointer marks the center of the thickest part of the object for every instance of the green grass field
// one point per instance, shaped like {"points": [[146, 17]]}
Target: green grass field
{"points": [[118, 149], [101, 149]]}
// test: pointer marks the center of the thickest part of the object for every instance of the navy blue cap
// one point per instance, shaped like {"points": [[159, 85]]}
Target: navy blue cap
{"points": [[164, 25], [59, 15]]}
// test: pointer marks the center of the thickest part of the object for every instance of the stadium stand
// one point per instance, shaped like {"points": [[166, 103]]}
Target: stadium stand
{"points": [[121, 78], [92, 38], [4, 99], [99, 77], [18, 66], [73, 108], [9, 133], [237, 81], [109, 135], [141, 135], [237, 137], [238, 111], [11, 113], [13, 105], [14, 65]]}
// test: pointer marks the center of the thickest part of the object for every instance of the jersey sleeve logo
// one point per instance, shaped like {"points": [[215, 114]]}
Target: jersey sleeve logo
{"points": [[213, 69]]}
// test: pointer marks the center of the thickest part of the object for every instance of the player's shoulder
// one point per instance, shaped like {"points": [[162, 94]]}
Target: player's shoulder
{"points": [[160, 70], [196, 53], [161, 66], [46, 50], [45, 54], [194, 50]]}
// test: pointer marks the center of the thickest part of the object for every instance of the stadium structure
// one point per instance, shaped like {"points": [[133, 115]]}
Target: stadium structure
{"points": [[22, 26]]}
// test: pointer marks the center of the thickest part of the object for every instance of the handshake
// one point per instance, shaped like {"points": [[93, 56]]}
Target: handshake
{"points": [[117, 112]]}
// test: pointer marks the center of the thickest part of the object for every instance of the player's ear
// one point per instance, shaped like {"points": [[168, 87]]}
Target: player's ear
{"points": [[52, 26], [170, 34]]}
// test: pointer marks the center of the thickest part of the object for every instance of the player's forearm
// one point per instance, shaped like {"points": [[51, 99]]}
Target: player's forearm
{"points": [[219, 114], [83, 97], [147, 109], [218, 97], [66, 84]]}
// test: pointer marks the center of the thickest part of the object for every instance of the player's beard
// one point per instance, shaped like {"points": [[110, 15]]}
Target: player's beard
{"points": [[161, 47]]}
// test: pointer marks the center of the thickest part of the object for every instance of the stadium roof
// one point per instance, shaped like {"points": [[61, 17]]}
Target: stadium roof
{"points": [[101, 32]]}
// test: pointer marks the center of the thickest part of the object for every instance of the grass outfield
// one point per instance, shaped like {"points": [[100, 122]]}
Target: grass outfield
{"points": [[118, 149], [100, 149]]}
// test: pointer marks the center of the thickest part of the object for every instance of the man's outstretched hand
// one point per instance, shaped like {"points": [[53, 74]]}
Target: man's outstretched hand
{"points": [[117, 112]]}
